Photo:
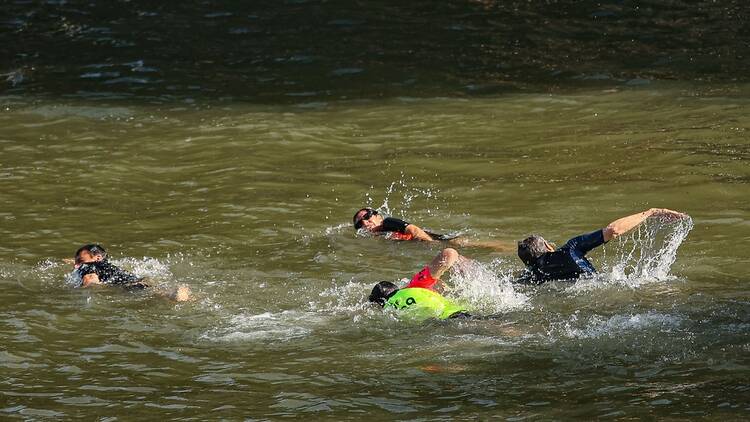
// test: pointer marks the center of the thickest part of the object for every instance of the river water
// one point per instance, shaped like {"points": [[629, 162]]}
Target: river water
{"points": [[248, 199]]}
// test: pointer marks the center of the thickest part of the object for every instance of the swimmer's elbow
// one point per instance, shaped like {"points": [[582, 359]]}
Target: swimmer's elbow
{"points": [[418, 233], [450, 253]]}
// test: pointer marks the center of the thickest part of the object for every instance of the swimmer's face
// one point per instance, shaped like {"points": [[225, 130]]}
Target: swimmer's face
{"points": [[372, 223], [86, 257]]}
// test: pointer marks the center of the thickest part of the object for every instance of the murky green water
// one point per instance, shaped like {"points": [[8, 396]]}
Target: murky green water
{"points": [[227, 145], [251, 207]]}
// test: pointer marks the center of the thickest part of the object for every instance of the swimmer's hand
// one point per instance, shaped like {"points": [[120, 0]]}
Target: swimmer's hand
{"points": [[181, 294], [665, 214], [69, 261], [90, 280]]}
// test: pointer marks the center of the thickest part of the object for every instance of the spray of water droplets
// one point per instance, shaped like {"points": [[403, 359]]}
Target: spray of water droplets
{"points": [[488, 289], [647, 254]]}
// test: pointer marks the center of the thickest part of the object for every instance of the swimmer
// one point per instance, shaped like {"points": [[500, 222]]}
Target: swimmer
{"points": [[371, 221], [545, 263], [419, 296], [93, 268]]}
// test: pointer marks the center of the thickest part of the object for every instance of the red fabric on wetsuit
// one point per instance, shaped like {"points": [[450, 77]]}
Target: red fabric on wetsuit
{"points": [[401, 236], [423, 279]]}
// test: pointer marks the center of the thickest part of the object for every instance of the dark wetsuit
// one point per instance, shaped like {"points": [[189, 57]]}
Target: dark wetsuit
{"points": [[111, 274], [566, 263], [397, 230]]}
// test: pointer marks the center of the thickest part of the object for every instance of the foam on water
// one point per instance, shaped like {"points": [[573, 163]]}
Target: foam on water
{"points": [[597, 326]]}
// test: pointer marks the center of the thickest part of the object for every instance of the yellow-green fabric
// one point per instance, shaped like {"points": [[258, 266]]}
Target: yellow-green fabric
{"points": [[424, 303]]}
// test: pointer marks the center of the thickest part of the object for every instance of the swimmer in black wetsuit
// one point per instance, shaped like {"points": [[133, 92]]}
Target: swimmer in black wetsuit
{"points": [[545, 263], [370, 220], [92, 267]]}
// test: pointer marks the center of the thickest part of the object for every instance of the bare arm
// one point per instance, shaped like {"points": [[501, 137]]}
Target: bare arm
{"points": [[418, 234], [90, 279], [443, 262], [625, 224]]}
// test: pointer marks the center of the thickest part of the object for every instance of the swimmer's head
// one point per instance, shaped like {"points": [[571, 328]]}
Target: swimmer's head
{"points": [[367, 218], [90, 253], [531, 248], [382, 291]]}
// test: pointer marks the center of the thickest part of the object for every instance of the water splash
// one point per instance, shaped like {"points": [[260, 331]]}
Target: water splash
{"points": [[488, 289], [146, 267], [333, 230], [647, 254], [404, 187]]}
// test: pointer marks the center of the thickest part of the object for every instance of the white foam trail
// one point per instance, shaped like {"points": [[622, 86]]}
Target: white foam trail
{"points": [[596, 326], [282, 326]]}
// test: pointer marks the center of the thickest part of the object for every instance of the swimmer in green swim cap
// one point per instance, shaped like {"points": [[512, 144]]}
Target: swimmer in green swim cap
{"points": [[419, 296]]}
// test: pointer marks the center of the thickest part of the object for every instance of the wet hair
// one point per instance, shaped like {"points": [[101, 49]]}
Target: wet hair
{"points": [[93, 249], [531, 248], [369, 212], [382, 291]]}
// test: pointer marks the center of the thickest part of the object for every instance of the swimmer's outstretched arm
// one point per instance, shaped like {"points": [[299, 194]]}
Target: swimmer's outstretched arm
{"points": [[625, 224], [418, 233]]}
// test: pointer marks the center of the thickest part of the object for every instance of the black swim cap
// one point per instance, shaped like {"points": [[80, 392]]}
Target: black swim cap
{"points": [[382, 291]]}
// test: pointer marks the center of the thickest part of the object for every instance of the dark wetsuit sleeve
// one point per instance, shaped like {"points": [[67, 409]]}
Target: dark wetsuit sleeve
{"points": [[584, 243], [86, 269], [525, 277], [391, 224]]}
